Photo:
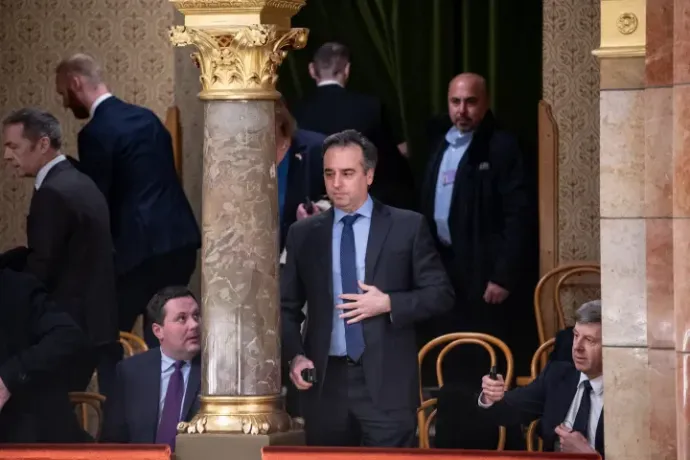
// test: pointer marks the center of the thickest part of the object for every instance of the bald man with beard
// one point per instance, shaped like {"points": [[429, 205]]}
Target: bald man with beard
{"points": [[475, 199]]}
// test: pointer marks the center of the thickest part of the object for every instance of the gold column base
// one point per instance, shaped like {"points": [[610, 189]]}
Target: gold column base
{"points": [[252, 415]]}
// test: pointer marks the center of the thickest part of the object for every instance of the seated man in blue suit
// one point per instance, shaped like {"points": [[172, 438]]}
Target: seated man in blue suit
{"points": [[128, 153], [567, 397], [300, 170], [157, 389]]}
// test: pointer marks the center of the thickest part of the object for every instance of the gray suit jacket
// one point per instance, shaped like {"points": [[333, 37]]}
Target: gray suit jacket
{"points": [[401, 261]]}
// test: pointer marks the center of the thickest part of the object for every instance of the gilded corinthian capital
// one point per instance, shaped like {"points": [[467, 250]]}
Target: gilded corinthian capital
{"points": [[242, 63]]}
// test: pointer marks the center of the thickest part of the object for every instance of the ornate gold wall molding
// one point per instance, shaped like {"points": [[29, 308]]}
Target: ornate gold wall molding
{"points": [[623, 29], [239, 64]]}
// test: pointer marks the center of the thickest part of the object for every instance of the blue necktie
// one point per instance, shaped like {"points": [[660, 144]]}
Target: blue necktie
{"points": [[354, 337]]}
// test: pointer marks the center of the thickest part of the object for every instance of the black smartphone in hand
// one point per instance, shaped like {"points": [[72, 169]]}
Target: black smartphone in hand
{"points": [[309, 375], [308, 206]]}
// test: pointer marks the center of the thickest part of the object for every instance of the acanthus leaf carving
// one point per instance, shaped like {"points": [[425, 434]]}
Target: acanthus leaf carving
{"points": [[240, 64]]}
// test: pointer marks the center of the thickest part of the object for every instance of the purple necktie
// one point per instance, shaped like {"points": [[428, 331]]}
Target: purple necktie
{"points": [[167, 428]]}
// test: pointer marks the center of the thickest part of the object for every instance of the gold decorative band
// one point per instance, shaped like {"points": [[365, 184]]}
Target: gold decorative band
{"points": [[239, 414], [240, 63]]}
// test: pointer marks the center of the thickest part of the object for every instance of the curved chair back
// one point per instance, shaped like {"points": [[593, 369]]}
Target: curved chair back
{"points": [[132, 344], [537, 365], [82, 400], [488, 342], [562, 273]]}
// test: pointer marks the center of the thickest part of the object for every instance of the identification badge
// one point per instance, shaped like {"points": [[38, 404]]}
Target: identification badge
{"points": [[448, 177]]}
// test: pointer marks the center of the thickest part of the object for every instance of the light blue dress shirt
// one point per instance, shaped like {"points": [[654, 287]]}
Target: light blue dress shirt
{"points": [[457, 146], [167, 368], [361, 231]]}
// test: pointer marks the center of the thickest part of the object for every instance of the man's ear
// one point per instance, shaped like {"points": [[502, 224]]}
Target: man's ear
{"points": [[312, 72]]}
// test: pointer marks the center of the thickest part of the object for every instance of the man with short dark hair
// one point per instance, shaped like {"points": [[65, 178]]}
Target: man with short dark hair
{"points": [[567, 397], [128, 153], [368, 272], [68, 237], [332, 108], [157, 389]]}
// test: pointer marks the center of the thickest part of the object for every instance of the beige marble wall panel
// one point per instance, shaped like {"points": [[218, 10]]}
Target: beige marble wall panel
{"points": [[662, 392], [627, 404], [623, 280], [681, 150], [622, 153], [241, 334], [660, 293], [626, 73], [658, 164]]}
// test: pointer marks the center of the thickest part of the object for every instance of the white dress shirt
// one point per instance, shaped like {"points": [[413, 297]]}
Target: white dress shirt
{"points": [[98, 101], [43, 172], [596, 397], [329, 82], [167, 368]]}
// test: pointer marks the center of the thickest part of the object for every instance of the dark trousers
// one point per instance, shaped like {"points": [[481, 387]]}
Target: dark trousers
{"points": [[345, 414], [103, 358], [136, 287]]}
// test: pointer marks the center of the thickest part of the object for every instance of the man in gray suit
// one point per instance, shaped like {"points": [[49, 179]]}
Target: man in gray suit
{"points": [[368, 272]]}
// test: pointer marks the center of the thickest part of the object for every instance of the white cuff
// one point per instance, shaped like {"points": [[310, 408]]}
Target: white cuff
{"points": [[481, 404]]}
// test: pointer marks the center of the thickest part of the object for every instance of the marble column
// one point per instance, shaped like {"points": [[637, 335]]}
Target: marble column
{"points": [[638, 255], [238, 48]]}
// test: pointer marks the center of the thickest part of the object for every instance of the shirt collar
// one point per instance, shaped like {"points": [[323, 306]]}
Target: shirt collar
{"points": [[329, 82], [167, 362], [98, 101], [597, 383], [365, 210], [43, 172], [455, 138]]}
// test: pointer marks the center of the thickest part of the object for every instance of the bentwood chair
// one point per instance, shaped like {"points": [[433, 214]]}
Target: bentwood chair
{"points": [[82, 401], [450, 341]]}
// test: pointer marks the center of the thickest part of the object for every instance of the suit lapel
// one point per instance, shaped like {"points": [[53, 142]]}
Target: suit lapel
{"points": [[568, 389], [150, 393], [193, 387], [378, 231]]}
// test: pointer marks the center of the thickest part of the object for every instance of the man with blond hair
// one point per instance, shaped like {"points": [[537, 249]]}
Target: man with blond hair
{"points": [[128, 153]]}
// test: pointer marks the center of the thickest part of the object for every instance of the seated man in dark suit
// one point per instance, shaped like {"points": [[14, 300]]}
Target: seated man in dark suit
{"points": [[37, 342], [127, 151], [569, 399], [157, 389]]}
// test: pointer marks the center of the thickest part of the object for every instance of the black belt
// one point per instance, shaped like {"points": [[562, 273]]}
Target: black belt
{"points": [[346, 359]]}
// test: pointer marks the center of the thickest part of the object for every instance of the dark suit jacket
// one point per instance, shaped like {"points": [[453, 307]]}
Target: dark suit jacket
{"points": [[305, 176], [400, 261], [68, 233], [331, 109], [37, 341], [547, 398], [128, 152], [489, 215], [131, 413]]}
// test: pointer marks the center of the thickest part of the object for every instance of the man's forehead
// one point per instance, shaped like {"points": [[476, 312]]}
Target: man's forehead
{"points": [[593, 329]]}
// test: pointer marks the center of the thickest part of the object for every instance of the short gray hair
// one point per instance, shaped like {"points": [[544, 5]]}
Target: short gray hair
{"points": [[351, 137], [331, 59], [589, 313], [37, 124]]}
